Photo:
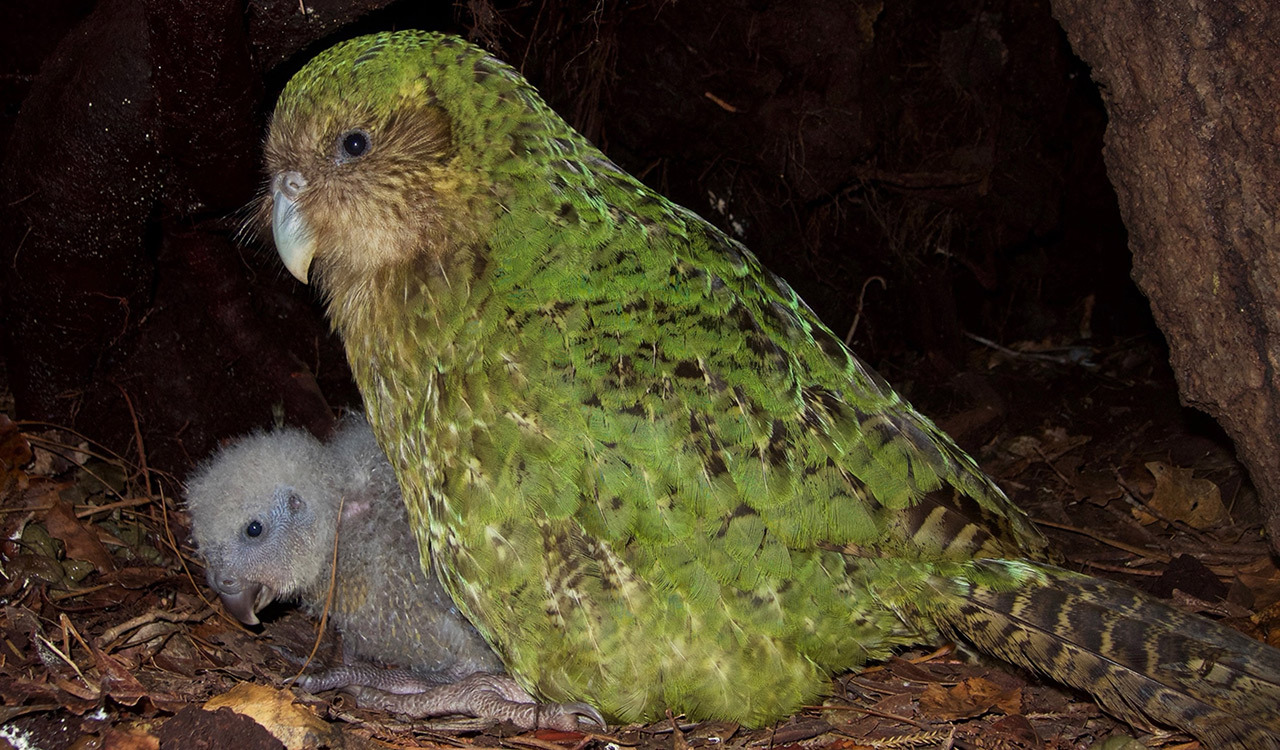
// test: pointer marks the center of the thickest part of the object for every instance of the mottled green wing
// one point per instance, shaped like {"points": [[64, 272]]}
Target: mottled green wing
{"points": [[696, 451], [701, 383]]}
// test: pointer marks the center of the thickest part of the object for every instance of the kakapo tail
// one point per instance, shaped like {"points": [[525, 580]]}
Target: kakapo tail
{"points": [[1141, 658]]}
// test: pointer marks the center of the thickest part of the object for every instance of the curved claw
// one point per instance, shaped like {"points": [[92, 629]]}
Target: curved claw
{"points": [[585, 711], [566, 717]]}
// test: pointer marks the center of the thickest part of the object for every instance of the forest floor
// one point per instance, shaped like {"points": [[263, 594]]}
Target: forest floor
{"points": [[110, 639]]}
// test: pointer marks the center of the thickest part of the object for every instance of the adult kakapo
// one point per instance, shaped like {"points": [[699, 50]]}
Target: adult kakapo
{"points": [[646, 471]]}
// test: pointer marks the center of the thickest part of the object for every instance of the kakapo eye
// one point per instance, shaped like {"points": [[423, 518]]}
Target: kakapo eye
{"points": [[254, 529], [353, 144]]}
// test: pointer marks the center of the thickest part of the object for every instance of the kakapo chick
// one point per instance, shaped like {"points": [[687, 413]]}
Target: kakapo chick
{"points": [[264, 512]]}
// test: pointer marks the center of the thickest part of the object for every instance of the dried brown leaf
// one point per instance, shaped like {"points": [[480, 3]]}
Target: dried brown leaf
{"points": [[1262, 580], [78, 689], [972, 697], [81, 541], [294, 725], [15, 453], [1097, 487], [118, 679], [1014, 731], [129, 739], [1179, 495]]}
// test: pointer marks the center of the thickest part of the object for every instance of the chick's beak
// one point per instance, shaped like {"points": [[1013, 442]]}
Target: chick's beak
{"points": [[242, 599], [293, 237], [244, 605]]}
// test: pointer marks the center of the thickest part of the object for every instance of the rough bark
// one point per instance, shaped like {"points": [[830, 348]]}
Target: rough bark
{"points": [[1192, 88]]}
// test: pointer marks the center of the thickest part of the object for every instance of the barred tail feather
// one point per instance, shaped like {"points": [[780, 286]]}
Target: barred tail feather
{"points": [[1141, 658]]}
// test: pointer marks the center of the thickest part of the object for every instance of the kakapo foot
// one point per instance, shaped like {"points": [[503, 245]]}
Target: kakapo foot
{"points": [[483, 695]]}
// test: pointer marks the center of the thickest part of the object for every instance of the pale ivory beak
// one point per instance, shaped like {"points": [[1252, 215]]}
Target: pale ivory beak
{"points": [[293, 238]]}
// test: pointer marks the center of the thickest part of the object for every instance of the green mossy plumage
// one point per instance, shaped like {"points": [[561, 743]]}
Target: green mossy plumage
{"points": [[648, 473]]}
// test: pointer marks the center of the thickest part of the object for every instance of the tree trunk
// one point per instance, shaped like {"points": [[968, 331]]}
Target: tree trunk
{"points": [[1192, 89]]}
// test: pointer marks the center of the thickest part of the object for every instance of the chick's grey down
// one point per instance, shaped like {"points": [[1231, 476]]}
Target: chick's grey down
{"points": [[265, 511]]}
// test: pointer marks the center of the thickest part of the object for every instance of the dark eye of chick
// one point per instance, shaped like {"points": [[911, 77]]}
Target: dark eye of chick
{"points": [[353, 144], [254, 529]]}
